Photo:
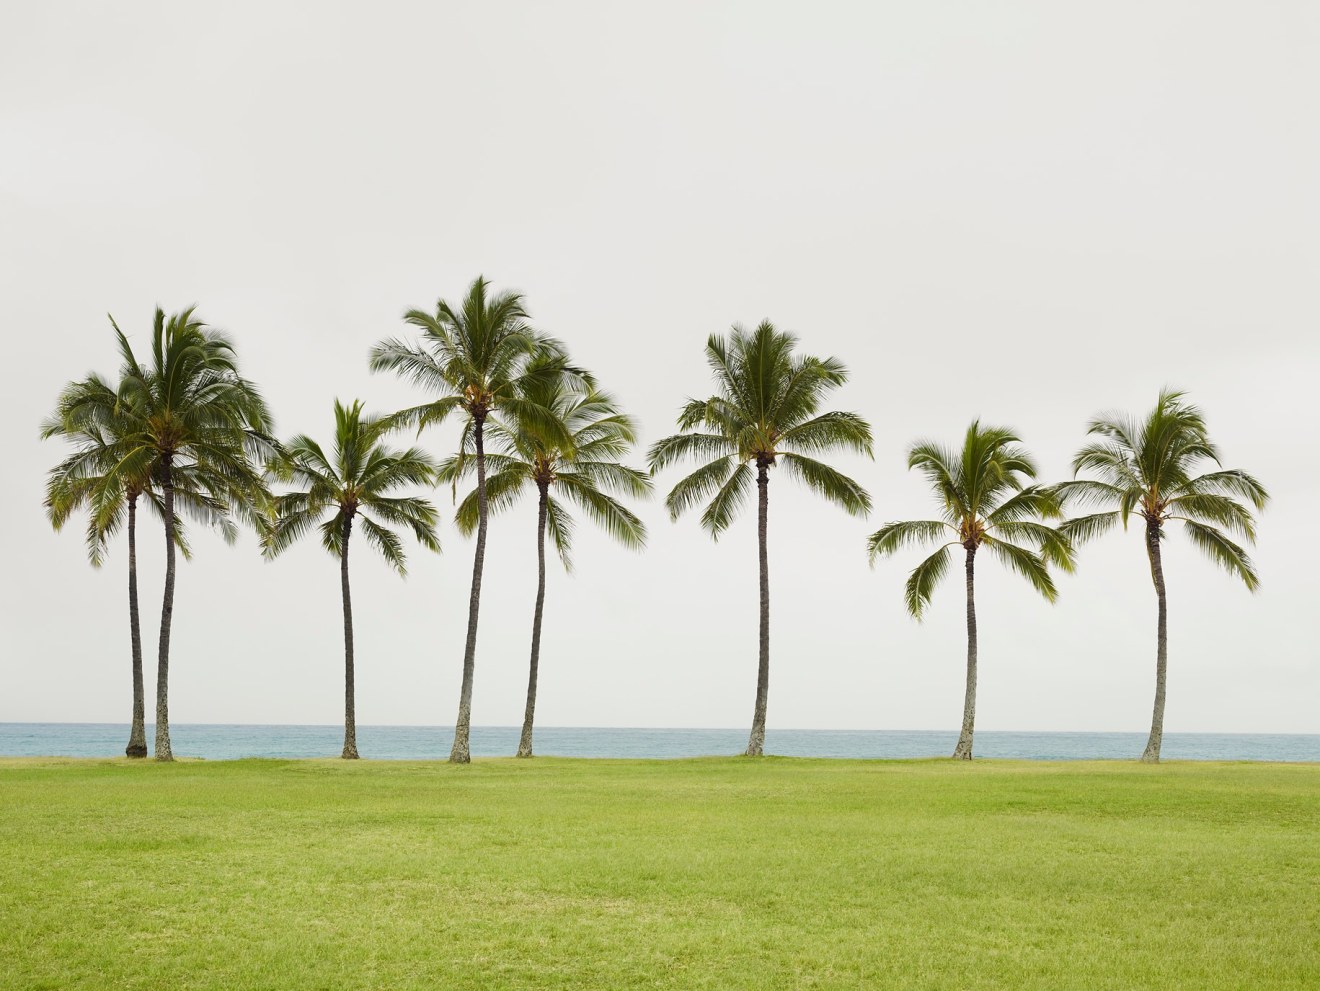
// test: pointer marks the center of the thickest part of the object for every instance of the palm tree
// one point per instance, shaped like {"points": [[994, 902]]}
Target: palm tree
{"points": [[585, 470], [984, 501], [193, 417], [1149, 467], [765, 413], [474, 355], [354, 479], [87, 479]]}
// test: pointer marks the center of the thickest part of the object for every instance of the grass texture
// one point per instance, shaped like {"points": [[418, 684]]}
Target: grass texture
{"points": [[716, 873]]}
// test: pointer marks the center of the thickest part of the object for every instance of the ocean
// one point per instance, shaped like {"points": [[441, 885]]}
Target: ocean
{"points": [[229, 742]]}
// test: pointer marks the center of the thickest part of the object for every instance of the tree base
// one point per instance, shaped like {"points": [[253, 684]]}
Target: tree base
{"points": [[1150, 758], [460, 757], [349, 755], [136, 750], [963, 751]]}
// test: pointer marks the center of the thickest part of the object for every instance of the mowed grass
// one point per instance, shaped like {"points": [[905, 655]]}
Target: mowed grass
{"points": [[718, 873]]}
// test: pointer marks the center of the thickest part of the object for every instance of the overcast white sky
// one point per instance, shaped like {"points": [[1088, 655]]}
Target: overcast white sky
{"points": [[1028, 212]]}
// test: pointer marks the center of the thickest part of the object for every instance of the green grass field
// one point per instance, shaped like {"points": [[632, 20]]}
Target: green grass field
{"points": [[718, 873]]}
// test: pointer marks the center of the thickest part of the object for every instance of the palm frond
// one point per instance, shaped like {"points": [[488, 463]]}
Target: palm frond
{"points": [[925, 576], [1026, 563], [1228, 555]]}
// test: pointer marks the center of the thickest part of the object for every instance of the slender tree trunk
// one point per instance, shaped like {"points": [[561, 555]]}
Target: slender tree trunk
{"points": [[350, 709], [1152, 754], [964, 749], [525, 743], [137, 734], [756, 743], [461, 754], [163, 751]]}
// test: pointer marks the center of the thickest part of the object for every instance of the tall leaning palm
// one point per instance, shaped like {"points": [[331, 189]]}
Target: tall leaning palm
{"points": [[89, 416], [474, 355], [356, 477], [766, 413], [1151, 467], [193, 415], [586, 471], [984, 502]]}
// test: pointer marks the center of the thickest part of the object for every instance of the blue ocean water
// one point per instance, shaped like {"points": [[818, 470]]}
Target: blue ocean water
{"points": [[228, 742]]}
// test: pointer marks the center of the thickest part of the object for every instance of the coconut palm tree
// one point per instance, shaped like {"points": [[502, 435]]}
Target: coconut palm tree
{"points": [[765, 413], [354, 479], [474, 355], [193, 416], [585, 471], [87, 479], [1150, 467], [984, 502]]}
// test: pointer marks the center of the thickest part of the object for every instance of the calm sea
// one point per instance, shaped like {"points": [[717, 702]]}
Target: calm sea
{"points": [[222, 742]]}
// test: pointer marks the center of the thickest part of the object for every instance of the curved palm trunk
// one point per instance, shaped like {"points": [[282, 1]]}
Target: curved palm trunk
{"points": [[963, 751], [163, 751], [756, 743], [1152, 754], [350, 709], [460, 753], [137, 734], [525, 743]]}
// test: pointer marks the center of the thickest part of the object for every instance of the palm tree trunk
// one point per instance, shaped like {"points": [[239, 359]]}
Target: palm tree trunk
{"points": [[163, 751], [137, 734], [756, 743], [1152, 754], [350, 709], [525, 743], [963, 751], [461, 754]]}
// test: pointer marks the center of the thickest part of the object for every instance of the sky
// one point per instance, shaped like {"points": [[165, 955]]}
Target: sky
{"points": [[1024, 212]]}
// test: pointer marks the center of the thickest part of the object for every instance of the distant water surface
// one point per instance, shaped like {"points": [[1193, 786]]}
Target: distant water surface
{"points": [[228, 742]]}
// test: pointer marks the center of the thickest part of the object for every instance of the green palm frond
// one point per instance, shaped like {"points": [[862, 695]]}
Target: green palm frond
{"points": [[894, 536], [1085, 528], [1026, 563], [1054, 546], [699, 486], [666, 452], [1228, 555], [1216, 510], [825, 481], [1230, 482], [560, 526], [608, 513], [925, 576], [385, 541], [732, 494]]}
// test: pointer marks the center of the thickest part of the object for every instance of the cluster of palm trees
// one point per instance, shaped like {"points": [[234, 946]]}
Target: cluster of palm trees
{"points": [[187, 435]]}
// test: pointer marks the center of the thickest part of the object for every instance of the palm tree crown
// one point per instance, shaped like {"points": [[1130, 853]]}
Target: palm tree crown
{"points": [[1152, 467], [985, 501], [354, 479], [586, 469], [765, 413]]}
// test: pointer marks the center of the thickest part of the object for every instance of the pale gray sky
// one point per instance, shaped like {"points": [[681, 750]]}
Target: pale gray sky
{"points": [[1028, 212]]}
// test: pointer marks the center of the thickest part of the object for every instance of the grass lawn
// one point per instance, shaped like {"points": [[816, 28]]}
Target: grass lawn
{"points": [[716, 873]]}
